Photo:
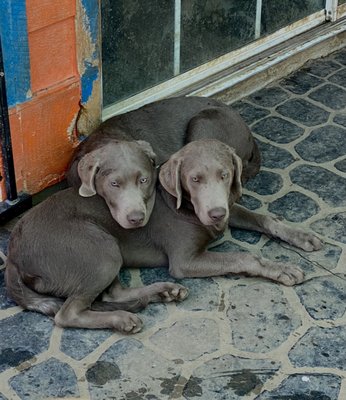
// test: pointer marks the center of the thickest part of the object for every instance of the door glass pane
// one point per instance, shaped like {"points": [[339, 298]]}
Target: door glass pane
{"points": [[277, 14], [210, 28], [148, 42], [137, 46]]}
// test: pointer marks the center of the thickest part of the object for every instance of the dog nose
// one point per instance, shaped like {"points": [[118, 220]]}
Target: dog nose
{"points": [[217, 214], [136, 217]]}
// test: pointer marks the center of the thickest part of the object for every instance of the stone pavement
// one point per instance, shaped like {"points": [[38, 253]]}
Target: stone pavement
{"points": [[234, 337]]}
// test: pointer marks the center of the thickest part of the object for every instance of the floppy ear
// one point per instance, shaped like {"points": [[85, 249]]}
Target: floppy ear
{"points": [[87, 168], [170, 178], [236, 187], [148, 150]]}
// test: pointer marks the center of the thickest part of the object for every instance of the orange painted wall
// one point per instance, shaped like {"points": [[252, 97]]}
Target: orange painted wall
{"points": [[42, 128]]}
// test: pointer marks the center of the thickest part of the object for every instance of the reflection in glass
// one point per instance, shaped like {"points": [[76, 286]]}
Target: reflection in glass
{"points": [[277, 14], [137, 46], [210, 28]]}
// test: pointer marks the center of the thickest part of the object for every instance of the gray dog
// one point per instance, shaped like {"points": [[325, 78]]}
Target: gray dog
{"points": [[70, 247], [195, 202], [65, 252]]}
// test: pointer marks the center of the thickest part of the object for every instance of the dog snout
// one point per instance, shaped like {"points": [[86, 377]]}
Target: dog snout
{"points": [[217, 214], [136, 218]]}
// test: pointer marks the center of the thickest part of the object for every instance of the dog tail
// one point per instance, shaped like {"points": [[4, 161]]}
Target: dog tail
{"points": [[130, 305], [27, 298]]}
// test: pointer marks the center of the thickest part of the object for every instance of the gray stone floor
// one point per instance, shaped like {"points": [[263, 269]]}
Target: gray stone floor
{"points": [[233, 337]]}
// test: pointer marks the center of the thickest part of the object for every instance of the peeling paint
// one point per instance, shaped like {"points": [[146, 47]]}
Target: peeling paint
{"points": [[71, 128], [90, 113], [88, 54]]}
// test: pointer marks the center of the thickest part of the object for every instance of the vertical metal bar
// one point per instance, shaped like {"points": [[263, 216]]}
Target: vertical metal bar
{"points": [[331, 10], [258, 19], [5, 138], [177, 36]]}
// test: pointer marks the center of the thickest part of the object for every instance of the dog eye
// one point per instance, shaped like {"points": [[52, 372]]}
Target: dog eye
{"points": [[195, 179], [224, 175], [143, 180], [114, 184]]}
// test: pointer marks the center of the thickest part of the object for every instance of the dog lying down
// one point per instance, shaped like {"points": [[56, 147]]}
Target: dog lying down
{"points": [[65, 254]]}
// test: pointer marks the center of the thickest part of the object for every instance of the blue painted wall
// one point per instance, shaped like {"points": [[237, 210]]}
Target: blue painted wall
{"points": [[92, 72], [14, 37]]}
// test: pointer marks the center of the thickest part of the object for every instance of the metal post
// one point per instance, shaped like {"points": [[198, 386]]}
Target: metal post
{"points": [[258, 19], [331, 10], [177, 36]]}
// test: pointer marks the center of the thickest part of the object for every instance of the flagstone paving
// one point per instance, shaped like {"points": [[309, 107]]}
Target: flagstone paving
{"points": [[233, 337]]}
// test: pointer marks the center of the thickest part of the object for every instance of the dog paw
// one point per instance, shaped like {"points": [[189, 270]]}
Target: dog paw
{"points": [[306, 241], [173, 292], [128, 323], [290, 275]]}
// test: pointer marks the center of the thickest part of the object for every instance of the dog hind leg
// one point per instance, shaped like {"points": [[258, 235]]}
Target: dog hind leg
{"points": [[27, 298]]}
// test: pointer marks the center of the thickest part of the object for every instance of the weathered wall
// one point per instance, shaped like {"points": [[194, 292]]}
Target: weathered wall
{"points": [[43, 87]]}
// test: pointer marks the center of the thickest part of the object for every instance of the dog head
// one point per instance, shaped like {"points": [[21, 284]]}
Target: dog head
{"points": [[209, 173], [124, 174]]}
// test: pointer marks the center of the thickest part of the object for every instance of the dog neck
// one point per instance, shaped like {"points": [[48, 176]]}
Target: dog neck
{"points": [[186, 211]]}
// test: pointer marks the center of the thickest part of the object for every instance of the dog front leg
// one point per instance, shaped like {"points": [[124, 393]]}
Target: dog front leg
{"points": [[240, 217], [157, 292], [209, 264]]}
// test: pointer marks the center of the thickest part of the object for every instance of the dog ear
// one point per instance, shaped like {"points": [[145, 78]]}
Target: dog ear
{"points": [[169, 177], [236, 187], [148, 150], [87, 168]]}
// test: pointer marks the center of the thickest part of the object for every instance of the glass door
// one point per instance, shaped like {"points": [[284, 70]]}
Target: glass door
{"points": [[170, 44]]}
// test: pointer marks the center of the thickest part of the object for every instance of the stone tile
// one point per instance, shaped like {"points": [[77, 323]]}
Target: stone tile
{"points": [[320, 347], [201, 336], [128, 370], [229, 377], [331, 96], [125, 277], [249, 112], [265, 183], [260, 317], [333, 226], [341, 165], [322, 67], [204, 295], [243, 235], [300, 82], [23, 336], [274, 157], [327, 185], [152, 275], [323, 144], [49, 379], [5, 302], [4, 237], [277, 129], [340, 119], [294, 207], [304, 112], [340, 56], [250, 202], [153, 314], [339, 78], [324, 297], [305, 387], [78, 343], [317, 261], [269, 96]]}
